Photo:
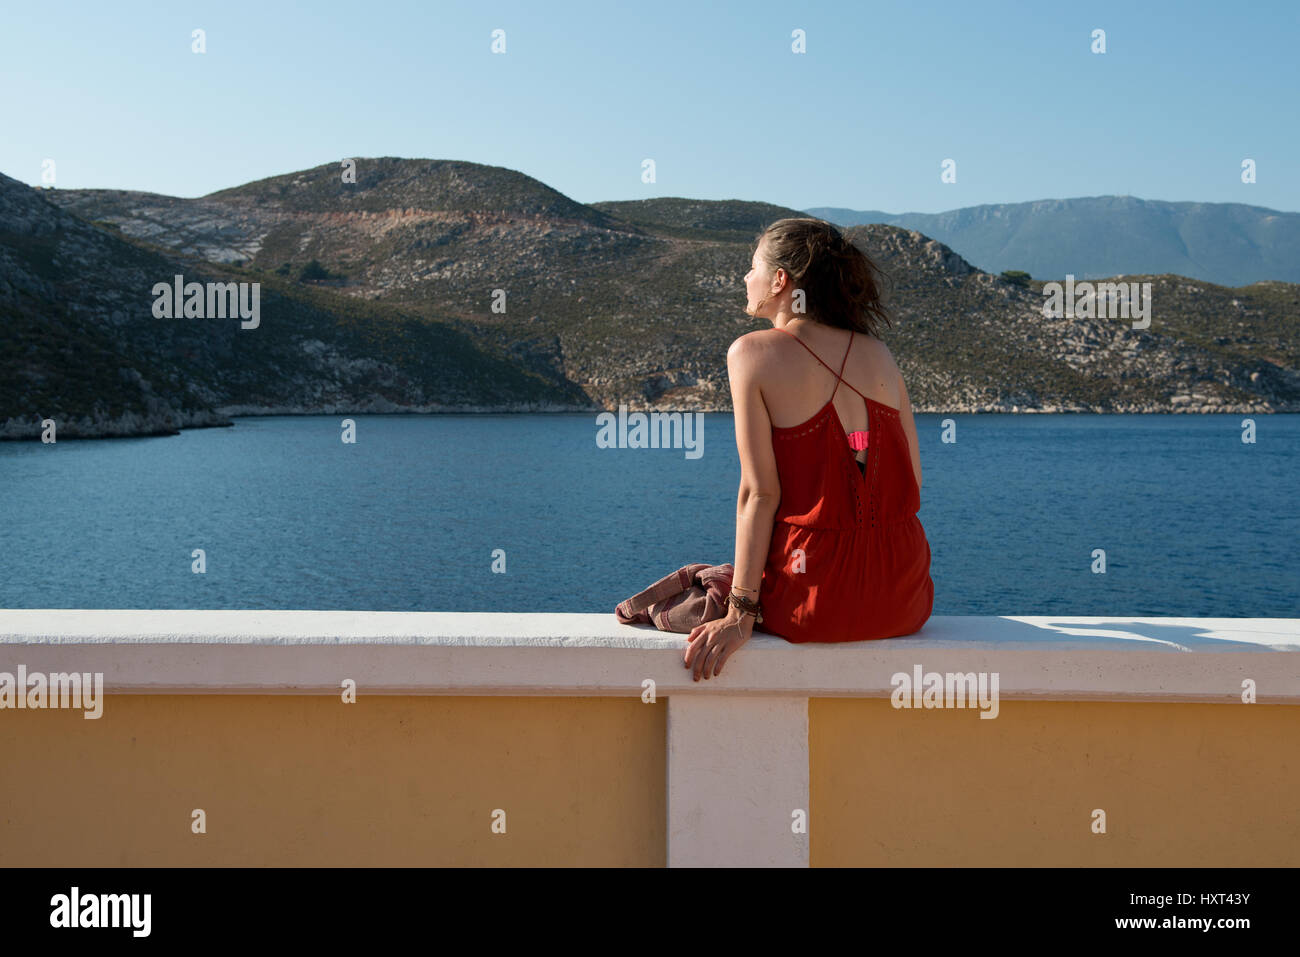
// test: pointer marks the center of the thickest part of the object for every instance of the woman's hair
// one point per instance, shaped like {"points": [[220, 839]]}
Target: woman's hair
{"points": [[841, 285]]}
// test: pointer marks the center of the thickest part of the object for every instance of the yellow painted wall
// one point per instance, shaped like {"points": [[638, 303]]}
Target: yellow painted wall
{"points": [[299, 780], [412, 781], [1183, 785]]}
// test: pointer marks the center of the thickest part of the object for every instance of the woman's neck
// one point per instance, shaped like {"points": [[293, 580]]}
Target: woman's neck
{"points": [[782, 320]]}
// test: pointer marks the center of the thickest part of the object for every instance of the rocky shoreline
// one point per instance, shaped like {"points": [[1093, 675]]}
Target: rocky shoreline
{"points": [[128, 425], [134, 425]]}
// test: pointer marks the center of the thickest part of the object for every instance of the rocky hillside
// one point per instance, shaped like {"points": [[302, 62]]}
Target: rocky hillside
{"points": [[384, 293], [79, 343]]}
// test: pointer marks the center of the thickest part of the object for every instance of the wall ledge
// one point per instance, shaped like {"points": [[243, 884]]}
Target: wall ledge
{"points": [[472, 653]]}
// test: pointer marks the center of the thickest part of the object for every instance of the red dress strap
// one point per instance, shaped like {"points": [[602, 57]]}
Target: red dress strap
{"points": [[838, 375]]}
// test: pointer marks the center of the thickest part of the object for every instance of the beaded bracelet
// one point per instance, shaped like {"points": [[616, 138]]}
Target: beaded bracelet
{"points": [[747, 606]]}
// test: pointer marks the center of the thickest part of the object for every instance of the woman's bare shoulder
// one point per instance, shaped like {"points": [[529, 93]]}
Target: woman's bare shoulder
{"points": [[758, 337], [882, 360], [877, 345], [758, 346]]}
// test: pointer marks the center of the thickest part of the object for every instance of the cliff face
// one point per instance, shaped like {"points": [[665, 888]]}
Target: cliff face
{"points": [[431, 285]]}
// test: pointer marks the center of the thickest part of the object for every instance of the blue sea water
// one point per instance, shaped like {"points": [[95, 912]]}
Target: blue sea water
{"points": [[1193, 521]]}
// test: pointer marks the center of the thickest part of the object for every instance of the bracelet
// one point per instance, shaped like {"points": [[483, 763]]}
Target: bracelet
{"points": [[747, 606]]}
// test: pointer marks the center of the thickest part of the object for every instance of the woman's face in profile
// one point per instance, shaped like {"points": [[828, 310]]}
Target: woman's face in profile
{"points": [[757, 283]]}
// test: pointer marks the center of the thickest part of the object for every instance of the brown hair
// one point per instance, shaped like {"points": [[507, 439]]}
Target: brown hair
{"points": [[841, 285]]}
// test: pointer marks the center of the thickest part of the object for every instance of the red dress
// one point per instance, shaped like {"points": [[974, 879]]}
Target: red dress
{"points": [[849, 559]]}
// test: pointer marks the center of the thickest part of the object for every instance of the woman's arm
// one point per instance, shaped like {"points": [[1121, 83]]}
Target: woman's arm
{"points": [[909, 429], [711, 644], [760, 485]]}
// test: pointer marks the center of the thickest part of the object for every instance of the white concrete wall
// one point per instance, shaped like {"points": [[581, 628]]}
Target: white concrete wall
{"points": [[1054, 658]]}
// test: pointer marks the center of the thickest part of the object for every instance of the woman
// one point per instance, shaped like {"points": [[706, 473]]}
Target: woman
{"points": [[828, 543]]}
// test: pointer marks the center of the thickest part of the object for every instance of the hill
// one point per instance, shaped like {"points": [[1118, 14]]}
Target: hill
{"points": [[456, 297], [79, 342]]}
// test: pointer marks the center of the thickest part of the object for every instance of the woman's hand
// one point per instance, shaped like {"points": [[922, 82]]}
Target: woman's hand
{"points": [[713, 642]]}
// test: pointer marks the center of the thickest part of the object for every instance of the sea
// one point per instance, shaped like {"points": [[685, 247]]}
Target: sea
{"points": [[523, 513]]}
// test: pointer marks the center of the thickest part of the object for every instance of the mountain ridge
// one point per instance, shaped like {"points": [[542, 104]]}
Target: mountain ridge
{"points": [[393, 308], [1230, 244]]}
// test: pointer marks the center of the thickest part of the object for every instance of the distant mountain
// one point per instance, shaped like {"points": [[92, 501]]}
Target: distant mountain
{"points": [[1225, 243], [380, 296]]}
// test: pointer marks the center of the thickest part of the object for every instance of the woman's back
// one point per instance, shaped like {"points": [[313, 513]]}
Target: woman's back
{"points": [[870, 368], [848, 558], [796, 385]]}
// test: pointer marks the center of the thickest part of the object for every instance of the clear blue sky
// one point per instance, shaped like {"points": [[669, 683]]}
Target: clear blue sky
{"points": [[711, 92]]}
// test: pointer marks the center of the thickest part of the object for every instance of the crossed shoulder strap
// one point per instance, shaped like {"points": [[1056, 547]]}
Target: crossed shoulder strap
{"points": [[839, 376]]}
